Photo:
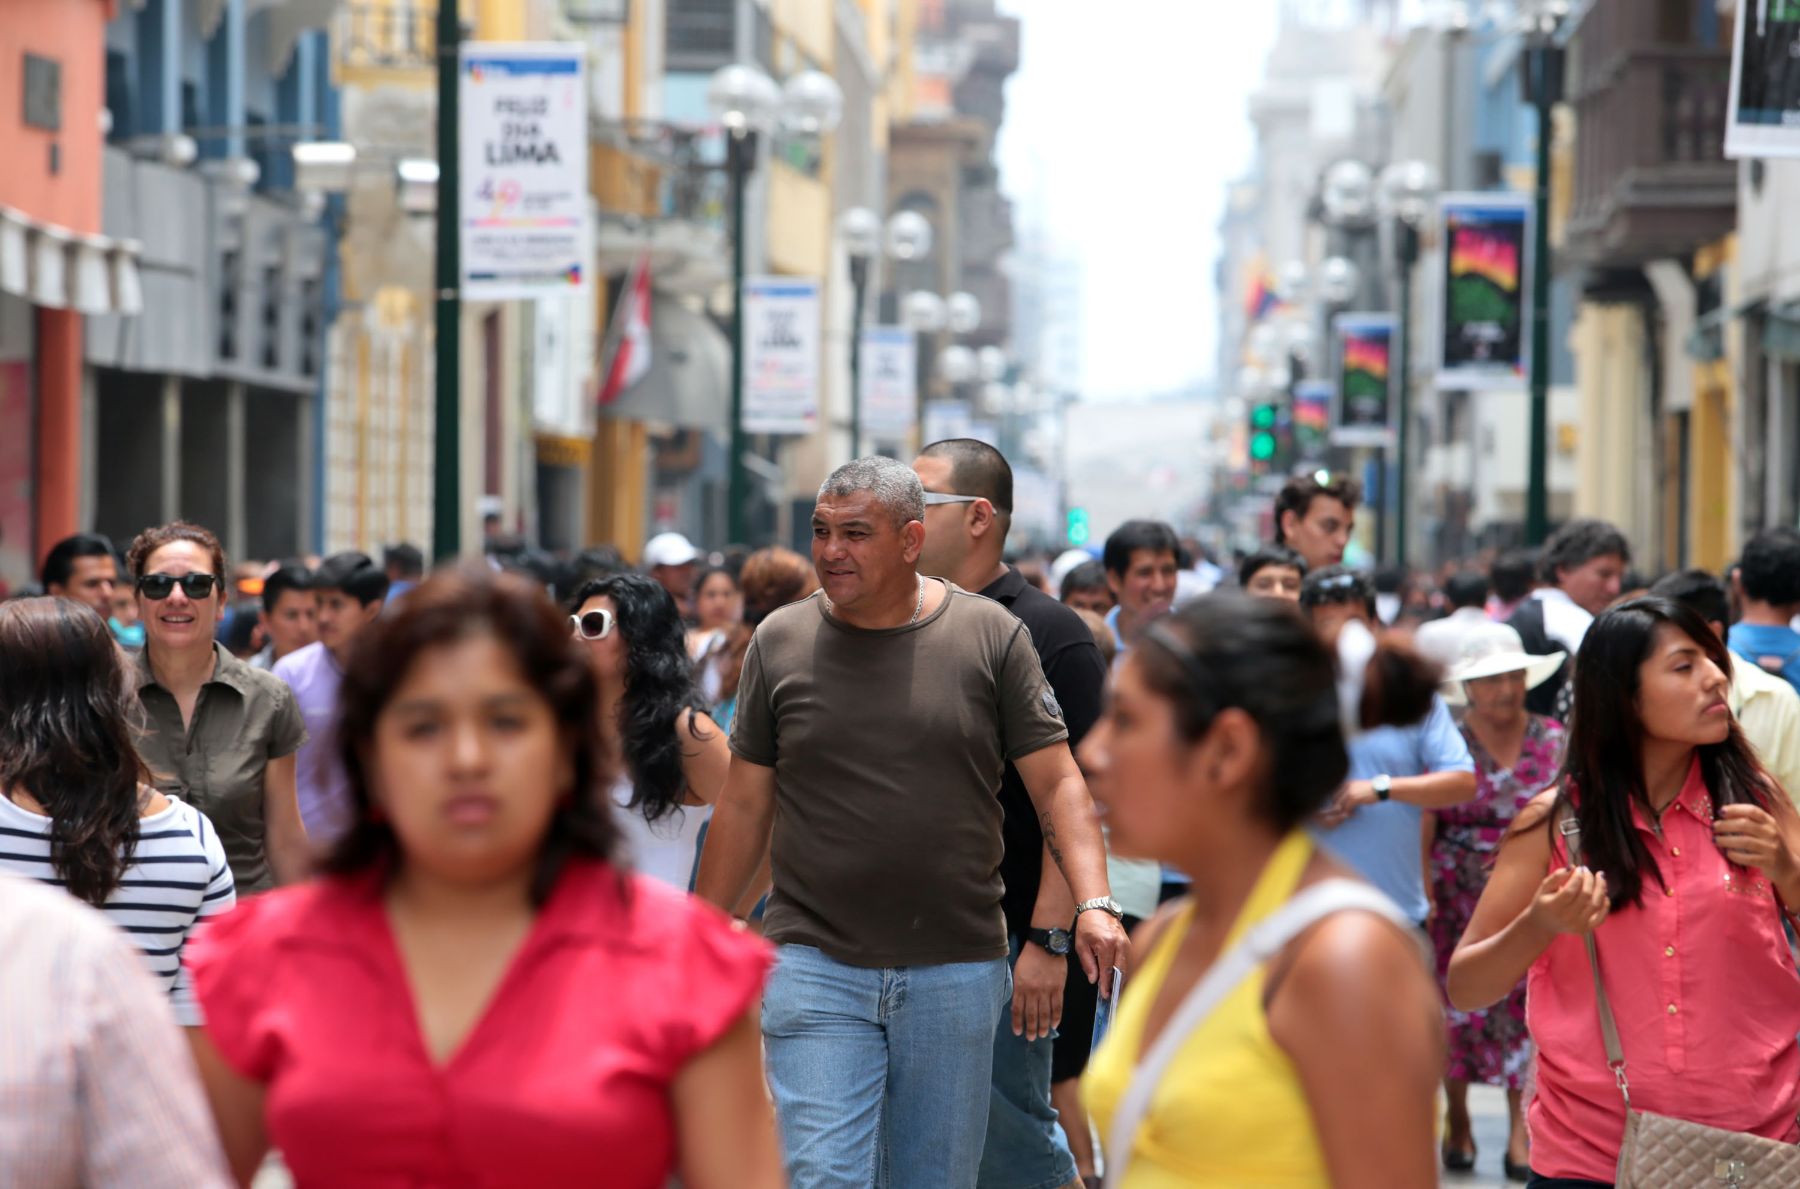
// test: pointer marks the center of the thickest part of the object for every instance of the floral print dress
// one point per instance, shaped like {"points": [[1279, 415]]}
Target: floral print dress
{"points": [[1490, 1046]]}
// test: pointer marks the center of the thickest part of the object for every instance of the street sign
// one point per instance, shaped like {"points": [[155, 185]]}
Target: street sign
{"points": [[890, 387], [1764, 114], [1482, 339], [781, 355], [1364, 348], [523, 160]]}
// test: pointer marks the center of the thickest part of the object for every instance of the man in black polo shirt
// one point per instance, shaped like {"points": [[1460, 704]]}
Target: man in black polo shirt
{"points": [[968, 508]]}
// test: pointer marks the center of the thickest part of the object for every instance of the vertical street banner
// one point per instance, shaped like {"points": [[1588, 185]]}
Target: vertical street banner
{"points": [[1483, 332], [1763, 117], [1312, 420], [1364, 397], [523, 162], [890, 386], [781, 355]]}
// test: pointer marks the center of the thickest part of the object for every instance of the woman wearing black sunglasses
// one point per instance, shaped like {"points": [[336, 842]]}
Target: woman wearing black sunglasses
{"points": [[215, 732], [668, 755]]}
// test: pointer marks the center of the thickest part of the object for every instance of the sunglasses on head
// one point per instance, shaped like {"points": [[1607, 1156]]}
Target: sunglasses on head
{"points": [[593, 625], [195, 586]]}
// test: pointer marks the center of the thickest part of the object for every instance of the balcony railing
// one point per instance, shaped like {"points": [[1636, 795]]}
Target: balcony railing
{"points": [[1651, 177], [400, 35]]}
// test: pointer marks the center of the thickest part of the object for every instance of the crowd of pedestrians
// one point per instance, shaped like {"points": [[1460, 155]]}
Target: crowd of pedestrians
{"points": [[914, 863]]}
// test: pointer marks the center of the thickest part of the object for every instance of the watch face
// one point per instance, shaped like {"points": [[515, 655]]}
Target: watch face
{"points": [[1059, 941]]}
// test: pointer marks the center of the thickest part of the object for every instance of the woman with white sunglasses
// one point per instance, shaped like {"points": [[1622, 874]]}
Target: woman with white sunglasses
{"points": [[668, 756]]}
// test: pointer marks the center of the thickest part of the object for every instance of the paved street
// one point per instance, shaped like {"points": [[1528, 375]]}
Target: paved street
{"points": [[1487, 1104]]}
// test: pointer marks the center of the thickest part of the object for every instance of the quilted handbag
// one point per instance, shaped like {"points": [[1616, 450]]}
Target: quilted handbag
{"points": [[1659, 1152]]}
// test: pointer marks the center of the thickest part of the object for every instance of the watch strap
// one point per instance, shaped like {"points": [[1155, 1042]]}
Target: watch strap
{"points": [[1044, 940]]}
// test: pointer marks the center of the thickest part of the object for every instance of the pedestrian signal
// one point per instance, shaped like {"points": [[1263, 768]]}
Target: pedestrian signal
{"points": [[1078, 526], [1262, 431]]}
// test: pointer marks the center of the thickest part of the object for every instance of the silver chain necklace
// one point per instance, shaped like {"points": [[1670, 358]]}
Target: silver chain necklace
{"points": [[918, 607]]}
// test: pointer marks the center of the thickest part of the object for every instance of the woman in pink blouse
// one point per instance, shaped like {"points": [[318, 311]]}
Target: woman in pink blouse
{"points": [[1690, 858], [474, 997]]}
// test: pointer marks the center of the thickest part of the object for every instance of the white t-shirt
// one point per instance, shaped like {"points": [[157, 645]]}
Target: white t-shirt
{"points": [[666, 849], [178, 877]]}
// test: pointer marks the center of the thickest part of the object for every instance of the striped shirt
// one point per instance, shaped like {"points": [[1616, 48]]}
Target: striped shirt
{"points": [[178, 877], [97, 1090]]}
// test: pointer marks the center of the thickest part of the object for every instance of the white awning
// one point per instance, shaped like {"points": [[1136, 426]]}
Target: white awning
{"points": [[54, 267]]}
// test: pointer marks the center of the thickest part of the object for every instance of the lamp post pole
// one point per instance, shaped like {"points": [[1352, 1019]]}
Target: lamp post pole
{"points": [[859, 283], [1409, 256], [446, 519], [740, 157], [1541, 61]]}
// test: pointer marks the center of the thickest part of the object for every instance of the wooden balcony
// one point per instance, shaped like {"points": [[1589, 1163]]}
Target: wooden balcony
{"points": [[1651, 178]]}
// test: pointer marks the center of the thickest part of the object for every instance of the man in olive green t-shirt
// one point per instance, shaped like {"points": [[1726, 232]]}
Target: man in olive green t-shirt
{"points": [[874, 722]]}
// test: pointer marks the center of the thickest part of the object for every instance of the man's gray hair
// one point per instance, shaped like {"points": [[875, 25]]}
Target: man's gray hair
{"points": [[890, 481]]}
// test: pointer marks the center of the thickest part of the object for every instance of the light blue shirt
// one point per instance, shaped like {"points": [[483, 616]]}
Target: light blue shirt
{"points": [[1382, 841], [1754, 641]]}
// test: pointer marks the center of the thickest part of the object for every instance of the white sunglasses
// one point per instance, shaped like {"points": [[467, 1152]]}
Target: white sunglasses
{"points": [[593, 625], [934, 498]]}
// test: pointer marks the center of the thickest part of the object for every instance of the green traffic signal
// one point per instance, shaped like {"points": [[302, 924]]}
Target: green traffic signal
{"points": [[1078, 526], [1262, 417], [1262, 446]]}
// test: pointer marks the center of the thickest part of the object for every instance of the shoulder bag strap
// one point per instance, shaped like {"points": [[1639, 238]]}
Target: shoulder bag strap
{"points": [[1263, 941], [1570, 829]]}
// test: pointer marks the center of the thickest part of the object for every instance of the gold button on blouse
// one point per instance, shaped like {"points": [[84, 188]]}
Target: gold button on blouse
{"points": [[1669, 952], [1671, 1009]]}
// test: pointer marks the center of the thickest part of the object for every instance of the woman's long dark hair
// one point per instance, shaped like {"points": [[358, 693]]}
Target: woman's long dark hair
{"points": [[455, 605], [65, 738], [660, 691], [1604, 760]]}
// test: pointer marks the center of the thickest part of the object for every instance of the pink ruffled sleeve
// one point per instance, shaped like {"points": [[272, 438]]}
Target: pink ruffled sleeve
{"points": [[233, 964], [720, 970]]}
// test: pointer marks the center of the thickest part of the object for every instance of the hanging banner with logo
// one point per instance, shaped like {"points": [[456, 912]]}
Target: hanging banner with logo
{"points": [[1365, 379], [1483, 332], [524, 169], [1763, 118], [890, 386], [1312, 420], [781, 355]]}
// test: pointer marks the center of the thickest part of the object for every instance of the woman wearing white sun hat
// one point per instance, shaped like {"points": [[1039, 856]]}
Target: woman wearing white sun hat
{"points": [[1516, 755]]}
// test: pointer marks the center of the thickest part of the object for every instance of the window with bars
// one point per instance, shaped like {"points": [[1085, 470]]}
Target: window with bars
{"points": [[702, 34]]}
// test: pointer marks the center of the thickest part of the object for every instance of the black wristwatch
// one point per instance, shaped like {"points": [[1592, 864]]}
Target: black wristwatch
{"points": [[1057, 941]]}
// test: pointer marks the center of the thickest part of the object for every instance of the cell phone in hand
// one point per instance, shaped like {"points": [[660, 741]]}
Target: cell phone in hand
{"points": [[1103, 1011]]}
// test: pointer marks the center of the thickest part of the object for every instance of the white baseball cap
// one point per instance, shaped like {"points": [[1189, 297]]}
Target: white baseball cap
{"points": [[669, 549]]}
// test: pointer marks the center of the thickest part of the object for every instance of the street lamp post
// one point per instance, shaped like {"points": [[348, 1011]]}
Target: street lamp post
{"points": [[446, 486], [748, 102], [1543, 64], [908, 236], [1408, 191]]}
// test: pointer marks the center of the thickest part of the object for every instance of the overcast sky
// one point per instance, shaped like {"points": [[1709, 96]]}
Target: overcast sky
{"points": [[1123, 125]]}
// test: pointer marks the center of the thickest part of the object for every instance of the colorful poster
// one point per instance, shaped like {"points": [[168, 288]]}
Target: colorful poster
{"points": [[1312, 420], [1365, 379], [781, 355], [523, 191], [890, 386], [1763, 119], [1483, 339]]}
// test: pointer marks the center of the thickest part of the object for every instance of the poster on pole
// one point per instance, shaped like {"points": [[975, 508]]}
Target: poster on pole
{"points": [[781, 355], [1482, 339], [1365, 379], [523, 162], [1312, 420], [1763, 116], [890, 386]]}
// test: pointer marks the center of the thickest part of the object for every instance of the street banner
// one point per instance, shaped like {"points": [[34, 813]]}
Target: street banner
{"points": [[1483, 333], [1763, 118], [781, 355], [1312, 420], [630, 346], [945, 419], [890, 386], [524, 170], [1364, 350]]}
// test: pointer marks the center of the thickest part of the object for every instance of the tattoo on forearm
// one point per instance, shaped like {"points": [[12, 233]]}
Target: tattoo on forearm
{"points": [[1049, 826]]}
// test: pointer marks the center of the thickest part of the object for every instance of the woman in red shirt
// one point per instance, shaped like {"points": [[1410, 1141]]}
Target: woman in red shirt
{"points": [[473, 996], [1690, 857]]}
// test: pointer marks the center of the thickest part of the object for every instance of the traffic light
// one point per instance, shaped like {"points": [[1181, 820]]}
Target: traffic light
{"points": [[1263, 419], [1078, 527]]}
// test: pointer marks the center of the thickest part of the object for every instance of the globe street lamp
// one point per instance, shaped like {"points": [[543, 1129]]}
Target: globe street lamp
{"points": [[749, 103], [1409, 192], [907, 236]]}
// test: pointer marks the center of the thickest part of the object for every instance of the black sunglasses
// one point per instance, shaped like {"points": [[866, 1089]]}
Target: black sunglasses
{"points": [[595, 625], [195, 586]]}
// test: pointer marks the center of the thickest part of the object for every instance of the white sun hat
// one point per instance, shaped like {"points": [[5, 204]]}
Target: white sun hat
{"points": [[1489, 650]]}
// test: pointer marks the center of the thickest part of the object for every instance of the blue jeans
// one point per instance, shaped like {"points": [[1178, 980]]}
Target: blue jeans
{"points": [[881, 1077], [1026, 1148]]}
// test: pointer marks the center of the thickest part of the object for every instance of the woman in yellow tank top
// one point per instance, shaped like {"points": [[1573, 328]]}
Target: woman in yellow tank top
{"points": [[1320, 1068]]}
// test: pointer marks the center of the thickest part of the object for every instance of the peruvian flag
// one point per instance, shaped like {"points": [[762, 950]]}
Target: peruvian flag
{"points": [[631, 334]]}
